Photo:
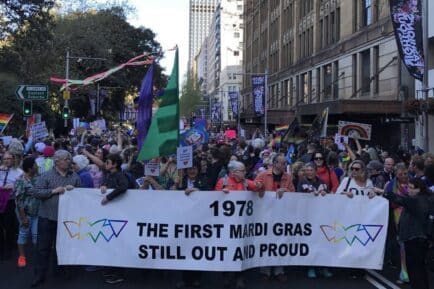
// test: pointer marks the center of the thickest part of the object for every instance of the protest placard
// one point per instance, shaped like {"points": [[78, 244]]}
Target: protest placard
{"points": [[354, 130], [152, 168], [184, 157], [39, 131]]}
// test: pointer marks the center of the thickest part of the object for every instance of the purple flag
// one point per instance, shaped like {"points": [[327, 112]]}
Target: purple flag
{"points": [[144, 115]]}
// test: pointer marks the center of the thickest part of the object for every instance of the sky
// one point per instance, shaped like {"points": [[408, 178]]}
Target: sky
{"points": [[168, 19]]}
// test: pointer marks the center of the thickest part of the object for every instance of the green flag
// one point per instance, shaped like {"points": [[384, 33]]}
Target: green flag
{"points": [[163, 134]]}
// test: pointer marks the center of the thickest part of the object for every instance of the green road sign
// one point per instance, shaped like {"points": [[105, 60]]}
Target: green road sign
{"points": [[32, 92]]}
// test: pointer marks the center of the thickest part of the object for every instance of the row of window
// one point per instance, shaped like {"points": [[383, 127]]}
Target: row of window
{"points": [[322, 83]]}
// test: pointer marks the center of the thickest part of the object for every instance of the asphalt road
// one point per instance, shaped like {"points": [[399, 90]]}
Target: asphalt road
{"points": [[13, 278]]}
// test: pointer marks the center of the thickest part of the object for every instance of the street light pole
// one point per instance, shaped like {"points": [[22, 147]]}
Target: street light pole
{"points": [[66, 84], [66, 94]]}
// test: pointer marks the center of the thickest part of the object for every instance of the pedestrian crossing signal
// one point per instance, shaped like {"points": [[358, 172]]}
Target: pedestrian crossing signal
{"points": [[65, 112], [27, 108]]}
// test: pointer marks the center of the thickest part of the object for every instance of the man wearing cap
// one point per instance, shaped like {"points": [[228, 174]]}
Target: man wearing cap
{"points": [[47, 188], [45, 162]]}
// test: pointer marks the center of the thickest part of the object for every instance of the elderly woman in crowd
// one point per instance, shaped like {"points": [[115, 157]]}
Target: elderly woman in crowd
{"points": [[236, 181], [79, 165]]}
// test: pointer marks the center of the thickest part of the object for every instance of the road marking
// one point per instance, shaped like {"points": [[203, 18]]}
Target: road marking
{"points": [[383, 279], [374, 282]]}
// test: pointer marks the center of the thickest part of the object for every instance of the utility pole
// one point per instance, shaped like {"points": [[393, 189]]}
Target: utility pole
{"points": [[66, 93]]}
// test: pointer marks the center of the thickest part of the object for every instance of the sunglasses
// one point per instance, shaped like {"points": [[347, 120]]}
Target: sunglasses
{"points": [[318, 158], [355, 169]]}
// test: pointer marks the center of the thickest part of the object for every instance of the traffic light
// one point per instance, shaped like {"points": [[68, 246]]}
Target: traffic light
{"points": [[27, 108], [65, 112]]}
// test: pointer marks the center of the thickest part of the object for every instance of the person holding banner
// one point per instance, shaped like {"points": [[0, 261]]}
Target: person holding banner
{"points": [[311, 183], [412, 232], [236, 181], [275, 179], [48, 187], [118, 181], [358, 182], [192, 181]]}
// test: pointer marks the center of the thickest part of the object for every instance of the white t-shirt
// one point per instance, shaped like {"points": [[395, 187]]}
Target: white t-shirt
{"points": [[13, 175], [354, 188]]}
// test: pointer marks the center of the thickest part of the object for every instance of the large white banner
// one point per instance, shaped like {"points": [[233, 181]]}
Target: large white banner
{"points": [[220, 232]]}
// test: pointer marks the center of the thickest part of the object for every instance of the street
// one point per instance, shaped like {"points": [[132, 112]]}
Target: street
{"points": [[14, 278]]}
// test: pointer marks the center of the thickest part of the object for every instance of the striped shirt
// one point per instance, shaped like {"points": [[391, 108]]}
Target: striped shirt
{"points": [[47, 182]]}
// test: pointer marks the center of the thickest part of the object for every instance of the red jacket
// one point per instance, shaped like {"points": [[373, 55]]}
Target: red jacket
{"points": [[233, 185], [266, 179], [328, 176]]}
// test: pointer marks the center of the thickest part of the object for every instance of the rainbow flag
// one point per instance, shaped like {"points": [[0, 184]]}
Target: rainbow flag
{"points": [[281, 128], [4, 120]]}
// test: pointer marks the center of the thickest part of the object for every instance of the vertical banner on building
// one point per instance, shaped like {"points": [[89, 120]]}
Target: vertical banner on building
{"points": [[407, 23], [258, 89], [216, 112], [233, 97]]}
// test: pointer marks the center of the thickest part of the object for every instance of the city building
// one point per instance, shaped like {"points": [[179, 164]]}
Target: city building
{"points": [[201, 12], [327, 53], [225, 54], [424, 135]]}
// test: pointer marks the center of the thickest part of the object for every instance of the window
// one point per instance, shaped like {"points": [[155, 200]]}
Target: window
{"points": [[367, 12], [305, 86], [237, 34], [355, 73], [376, 69], [336, 80], [365, 59], [236, 53], [327, 81]]}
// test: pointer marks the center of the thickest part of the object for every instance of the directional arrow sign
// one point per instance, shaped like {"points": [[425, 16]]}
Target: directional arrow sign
{"points": [[32, 92]]}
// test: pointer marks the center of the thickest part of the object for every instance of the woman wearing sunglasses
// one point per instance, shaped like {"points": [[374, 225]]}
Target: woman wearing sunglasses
{"points": [[358, 182], [326, 174]]}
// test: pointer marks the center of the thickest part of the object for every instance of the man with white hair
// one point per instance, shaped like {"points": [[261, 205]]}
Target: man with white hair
{"points": [[47, 188]]}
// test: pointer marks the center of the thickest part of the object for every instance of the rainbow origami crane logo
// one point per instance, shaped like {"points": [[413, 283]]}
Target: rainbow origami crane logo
{"points": [[357, 233], [104, 229]]}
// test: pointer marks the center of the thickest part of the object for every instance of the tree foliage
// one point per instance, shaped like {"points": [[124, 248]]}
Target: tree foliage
{"points": [[33, 51], [191, 97]]}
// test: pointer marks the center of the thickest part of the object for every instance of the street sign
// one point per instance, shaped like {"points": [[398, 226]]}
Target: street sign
{"points": [[32, 92]]}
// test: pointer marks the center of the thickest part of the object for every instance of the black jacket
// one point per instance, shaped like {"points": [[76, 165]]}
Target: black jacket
{"points": [[202, 183], [413, 220], [117, 181]]}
